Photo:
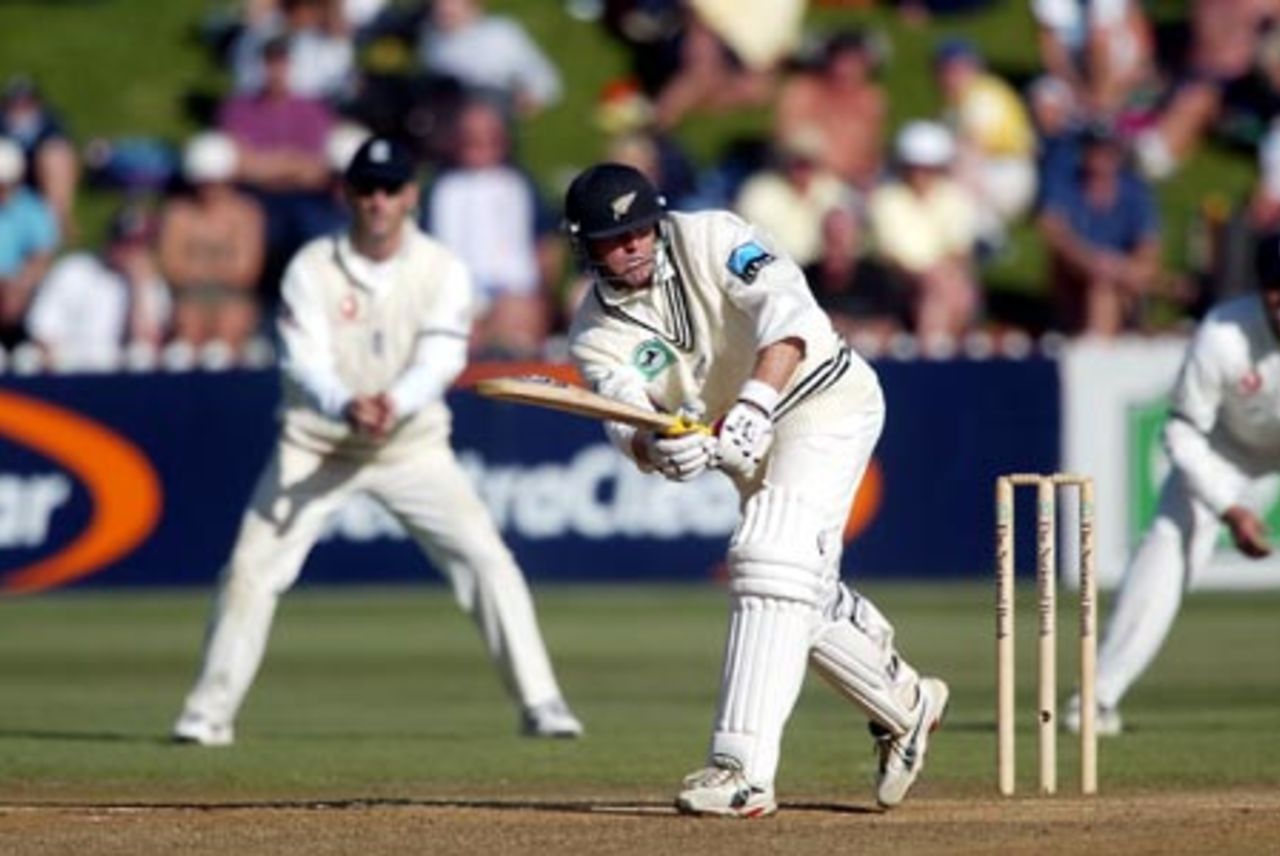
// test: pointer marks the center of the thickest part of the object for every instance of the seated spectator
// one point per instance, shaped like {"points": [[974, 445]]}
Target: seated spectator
{"points": [[487, 210], [791, 199], [52, 165], [91, 305], [1057, 123], [280, 138], [626, 115], [995, 142], [925, 226], [28, 239], [859, 295], [211, 248], [1224, 43], [489, 53], [844, 104], [1102, 233], [1102, 49], [321, 56], [728, 54]]}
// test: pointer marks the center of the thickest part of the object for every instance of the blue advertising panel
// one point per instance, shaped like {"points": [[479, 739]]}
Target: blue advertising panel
{"points": [[136, 479]]}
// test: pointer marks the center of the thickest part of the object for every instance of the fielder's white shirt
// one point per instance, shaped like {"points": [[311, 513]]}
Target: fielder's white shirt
{"points": [[722, 292], [351, 326], [1225, 416]]}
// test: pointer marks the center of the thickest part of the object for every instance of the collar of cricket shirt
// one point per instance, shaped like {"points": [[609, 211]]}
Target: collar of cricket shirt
{"points": [[662, 308], [371, 275]]}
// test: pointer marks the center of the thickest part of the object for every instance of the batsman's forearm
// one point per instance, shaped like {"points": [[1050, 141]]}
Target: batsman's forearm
{"points": [[776, 363]]}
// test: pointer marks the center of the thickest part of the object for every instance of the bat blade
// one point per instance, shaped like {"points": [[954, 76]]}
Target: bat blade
{"points": [[547, 392]]}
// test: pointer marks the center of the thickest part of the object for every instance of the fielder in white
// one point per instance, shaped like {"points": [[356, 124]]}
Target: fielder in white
{"points": [[1223, 440], [700, 314], [374, 328]]}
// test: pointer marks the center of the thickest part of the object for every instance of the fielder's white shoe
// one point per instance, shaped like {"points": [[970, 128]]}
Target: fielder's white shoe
{"points": [[902, 758], [723, 791], [194, 729], [550, 719], [1106, 721]]}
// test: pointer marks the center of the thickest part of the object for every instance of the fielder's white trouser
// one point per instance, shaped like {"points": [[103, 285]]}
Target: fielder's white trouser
{"points": [[1177, 547], [788, 607], [432, 497]]}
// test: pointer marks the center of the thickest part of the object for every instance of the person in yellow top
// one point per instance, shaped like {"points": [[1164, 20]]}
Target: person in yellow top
{"points": [[924, 226], [995, 140]]}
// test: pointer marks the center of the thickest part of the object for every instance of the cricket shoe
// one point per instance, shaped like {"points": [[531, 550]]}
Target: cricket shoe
{"points": [[550, 719], [1106, 722], [194, 729], [722, 790], [902, 758]]}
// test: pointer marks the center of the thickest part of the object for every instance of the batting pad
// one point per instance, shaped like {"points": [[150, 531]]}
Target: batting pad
{"points": [[854, 653], [764, 667], [778, 550]]}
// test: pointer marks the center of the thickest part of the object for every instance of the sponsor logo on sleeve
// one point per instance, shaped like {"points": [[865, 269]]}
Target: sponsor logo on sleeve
{"points": [[747, 259]]}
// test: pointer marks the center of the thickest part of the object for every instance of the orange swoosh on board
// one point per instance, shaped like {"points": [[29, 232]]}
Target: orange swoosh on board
{"points": [[124, 490], [867, 502]]}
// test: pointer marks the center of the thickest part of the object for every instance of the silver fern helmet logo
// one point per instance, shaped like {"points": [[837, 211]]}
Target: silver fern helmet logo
{"points": [[622, 205]]}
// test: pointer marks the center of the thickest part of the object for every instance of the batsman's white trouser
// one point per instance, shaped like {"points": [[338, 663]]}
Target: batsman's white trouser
{"points": [[1177, 547], [432, 497], [788, 607]]}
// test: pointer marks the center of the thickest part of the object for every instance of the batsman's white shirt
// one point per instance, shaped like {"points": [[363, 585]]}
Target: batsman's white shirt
{"points": [[1223, 437], [687, 344]]}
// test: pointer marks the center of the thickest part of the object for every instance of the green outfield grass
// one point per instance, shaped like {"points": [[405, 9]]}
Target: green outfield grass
{"points": [[385, 694]]}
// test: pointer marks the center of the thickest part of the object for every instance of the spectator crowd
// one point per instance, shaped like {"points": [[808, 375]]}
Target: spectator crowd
{"points": [[897, 228]]}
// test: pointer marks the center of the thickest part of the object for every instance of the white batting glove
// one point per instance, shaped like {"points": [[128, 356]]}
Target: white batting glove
{"points": [[679, 458], [746, 432]]}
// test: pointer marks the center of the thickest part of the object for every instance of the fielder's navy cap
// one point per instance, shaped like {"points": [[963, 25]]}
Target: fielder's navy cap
{"points": [[956, 48], [381, 161]]}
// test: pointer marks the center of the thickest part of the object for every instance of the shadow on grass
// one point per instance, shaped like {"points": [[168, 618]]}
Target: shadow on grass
{"points": [[81, 736], [632, 808]]}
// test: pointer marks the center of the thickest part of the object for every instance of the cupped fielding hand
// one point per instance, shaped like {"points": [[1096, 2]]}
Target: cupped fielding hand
{"points": [[744, 438], [679, 457], [1247, 531], [373, 415]]}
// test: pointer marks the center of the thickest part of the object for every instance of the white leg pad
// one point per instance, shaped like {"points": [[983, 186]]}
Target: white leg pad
{"points": [[764, 667], [854, 653]]}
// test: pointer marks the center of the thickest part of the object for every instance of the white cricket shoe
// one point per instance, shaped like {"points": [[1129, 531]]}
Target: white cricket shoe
{"points": [[194, 729], [722, 790], [550, 719], [1107, 721], [902, 758]]}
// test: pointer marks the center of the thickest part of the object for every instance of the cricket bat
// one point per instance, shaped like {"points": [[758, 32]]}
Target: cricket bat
{"points": [[541, 391]]}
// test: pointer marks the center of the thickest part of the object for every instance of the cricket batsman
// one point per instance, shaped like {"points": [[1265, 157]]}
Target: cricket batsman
{"points": [[1223, 440], [701, 315], [374, 328]]}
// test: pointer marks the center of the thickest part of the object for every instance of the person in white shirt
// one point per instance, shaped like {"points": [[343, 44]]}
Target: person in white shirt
{"points": [[91, 306], [1223, 439], [699, 314], [373, 326], [491, 53]]}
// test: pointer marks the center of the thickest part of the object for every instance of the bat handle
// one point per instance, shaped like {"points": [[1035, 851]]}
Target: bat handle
{"points": [[685, 425]]}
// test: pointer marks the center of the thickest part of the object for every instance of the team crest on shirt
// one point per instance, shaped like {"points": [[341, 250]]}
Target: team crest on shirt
{"points": [[652, 357], [1250, 382], [747, 259]]}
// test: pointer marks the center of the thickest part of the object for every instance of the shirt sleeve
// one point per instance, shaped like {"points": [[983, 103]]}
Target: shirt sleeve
{"points": [[533, 72], [46, 319], [1197, 398], [441, 352], [307, 345], [766, 284]]}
